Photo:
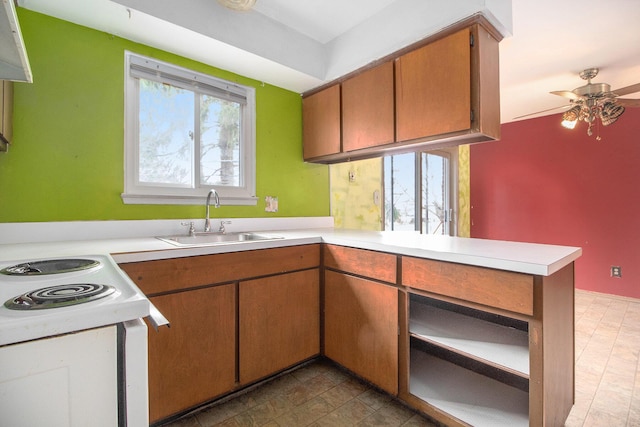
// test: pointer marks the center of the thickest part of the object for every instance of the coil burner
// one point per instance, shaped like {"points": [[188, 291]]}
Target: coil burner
{"points": [[59, 296], [49, 266]]}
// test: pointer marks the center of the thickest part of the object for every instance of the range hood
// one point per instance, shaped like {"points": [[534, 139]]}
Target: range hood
{"points": [[14, 64]]}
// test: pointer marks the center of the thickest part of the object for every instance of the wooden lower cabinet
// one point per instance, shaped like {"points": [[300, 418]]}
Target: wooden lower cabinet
{"points": [[487, 347], [361, 327], [465, 345], [235, 318], [279, 323], [194, 360]]}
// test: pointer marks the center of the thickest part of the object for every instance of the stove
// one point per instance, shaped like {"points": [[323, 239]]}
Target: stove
{"points": [[71, 333], [48, 297]]}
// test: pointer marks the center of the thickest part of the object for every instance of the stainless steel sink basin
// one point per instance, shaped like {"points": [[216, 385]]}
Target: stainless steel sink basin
{"points": [[206, 239]]}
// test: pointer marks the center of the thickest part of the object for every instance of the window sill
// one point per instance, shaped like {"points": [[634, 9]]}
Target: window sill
{"points": [[146, 199]]}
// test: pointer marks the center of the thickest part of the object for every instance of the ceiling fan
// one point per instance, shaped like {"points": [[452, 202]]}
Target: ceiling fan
{"points": [[594, 101]]}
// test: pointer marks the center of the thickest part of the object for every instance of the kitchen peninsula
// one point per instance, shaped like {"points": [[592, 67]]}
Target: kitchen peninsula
{"points": [[474, 331]]}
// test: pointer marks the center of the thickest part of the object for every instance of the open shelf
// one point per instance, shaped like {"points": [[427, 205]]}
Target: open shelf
{"points": [[466, 395], [502, 344]]}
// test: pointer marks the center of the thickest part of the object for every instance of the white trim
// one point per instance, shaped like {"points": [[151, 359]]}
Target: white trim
{"points": [[150, 199], [137, 193]]}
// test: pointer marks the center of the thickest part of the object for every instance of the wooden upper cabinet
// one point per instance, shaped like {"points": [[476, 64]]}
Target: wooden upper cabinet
{"points": [[443, 91], [433, 88], [449, 89], [367, 108], [321, 123], [6, 114]]}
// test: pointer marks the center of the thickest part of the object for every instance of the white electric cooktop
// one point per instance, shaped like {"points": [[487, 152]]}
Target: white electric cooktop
{"points": [[46, 297]]}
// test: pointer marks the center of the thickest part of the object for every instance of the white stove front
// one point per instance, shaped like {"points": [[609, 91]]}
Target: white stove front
{"points": [[76, 365]]}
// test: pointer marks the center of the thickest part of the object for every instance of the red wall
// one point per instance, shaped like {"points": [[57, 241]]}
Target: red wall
{"points": [[546, 184]]}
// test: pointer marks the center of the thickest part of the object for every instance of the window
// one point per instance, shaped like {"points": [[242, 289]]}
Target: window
{"points": [[185, 133], [419, 191]]}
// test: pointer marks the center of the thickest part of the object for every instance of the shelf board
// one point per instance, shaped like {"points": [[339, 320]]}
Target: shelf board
{"points": [[489, 342], [466, 395]]}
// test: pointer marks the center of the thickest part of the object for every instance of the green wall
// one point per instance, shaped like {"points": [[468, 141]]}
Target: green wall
{"points": [[66, 162]]}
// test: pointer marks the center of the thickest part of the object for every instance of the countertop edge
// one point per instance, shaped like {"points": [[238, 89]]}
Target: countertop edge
{"points": [[528, 258]]}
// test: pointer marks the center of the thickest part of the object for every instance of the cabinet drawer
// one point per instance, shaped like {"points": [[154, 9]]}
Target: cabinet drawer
{"points": [[376, 265], [495, 288], [167, 275]]}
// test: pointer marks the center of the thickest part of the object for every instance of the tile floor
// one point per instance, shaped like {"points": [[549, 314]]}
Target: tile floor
{"points": [[607, 361], [607, 383], [317, 395]]}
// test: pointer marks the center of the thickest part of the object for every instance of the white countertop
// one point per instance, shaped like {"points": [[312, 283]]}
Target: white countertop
{"points": [[526, 258], [131, 241]]}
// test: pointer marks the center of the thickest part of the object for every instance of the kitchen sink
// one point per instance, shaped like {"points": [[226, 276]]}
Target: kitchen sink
{"points": [[206, 239]]}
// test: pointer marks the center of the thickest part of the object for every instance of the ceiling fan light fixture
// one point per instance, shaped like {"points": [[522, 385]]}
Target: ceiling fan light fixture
{"points": [[239, 5], [595, 101], [570, 117], [610, 112]]}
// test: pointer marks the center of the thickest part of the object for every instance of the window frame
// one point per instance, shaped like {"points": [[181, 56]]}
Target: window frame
{"points": [[136, 193], [452, 192]]}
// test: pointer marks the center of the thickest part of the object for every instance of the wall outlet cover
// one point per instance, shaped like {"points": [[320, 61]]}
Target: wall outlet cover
{"points": [[616, 271], [271, 204]]}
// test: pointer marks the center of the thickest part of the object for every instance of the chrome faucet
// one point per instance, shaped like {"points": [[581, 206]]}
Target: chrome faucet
{"points": [[222, 224], [192, 227], [216, 201]]}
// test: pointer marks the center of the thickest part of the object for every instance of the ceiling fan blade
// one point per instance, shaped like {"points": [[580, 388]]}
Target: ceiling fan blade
{"points": [[566, 94], [628, 102], [543, 111], [627, 90]]}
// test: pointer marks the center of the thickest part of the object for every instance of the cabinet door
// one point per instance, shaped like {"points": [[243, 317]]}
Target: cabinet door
{"points": [[6, 114], [279, 323], [361, 328], [433, 88], [367, 108], [193, 361], [321, 123]]}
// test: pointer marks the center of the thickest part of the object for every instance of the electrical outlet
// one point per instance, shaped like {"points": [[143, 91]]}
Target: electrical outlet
{"points": [[616, 271]]}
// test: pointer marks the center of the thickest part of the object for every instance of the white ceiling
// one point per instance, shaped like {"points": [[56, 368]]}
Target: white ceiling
{"points": [[302, 44], [321, 20]]}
